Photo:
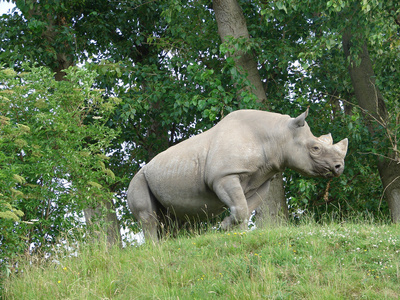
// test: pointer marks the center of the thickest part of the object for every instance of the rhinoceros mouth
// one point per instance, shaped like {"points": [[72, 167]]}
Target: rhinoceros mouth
{"points": [[326, 172], [317, 173], [329, 174]]}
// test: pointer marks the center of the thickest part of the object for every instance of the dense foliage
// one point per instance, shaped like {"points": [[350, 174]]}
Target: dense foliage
{"points": [[53, 154]]}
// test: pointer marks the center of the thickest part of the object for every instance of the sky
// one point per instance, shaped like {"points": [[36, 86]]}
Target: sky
{"points": [[5, 7]]}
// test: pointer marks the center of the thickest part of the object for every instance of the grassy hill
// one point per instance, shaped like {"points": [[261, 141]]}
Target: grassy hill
{"points": [[335, 261]]}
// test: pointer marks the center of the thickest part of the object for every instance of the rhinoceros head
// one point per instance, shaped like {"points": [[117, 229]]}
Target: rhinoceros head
{"points": [[315, 156]]}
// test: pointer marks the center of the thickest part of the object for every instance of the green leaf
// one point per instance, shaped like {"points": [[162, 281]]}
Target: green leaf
{"points": [[281, 6]]}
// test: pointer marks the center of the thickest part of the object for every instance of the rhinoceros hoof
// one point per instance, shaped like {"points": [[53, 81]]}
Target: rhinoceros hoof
{"points": [[226, 224]]}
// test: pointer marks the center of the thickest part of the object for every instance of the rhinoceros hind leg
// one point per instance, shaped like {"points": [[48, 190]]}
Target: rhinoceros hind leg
{"points": [[143, 205]]}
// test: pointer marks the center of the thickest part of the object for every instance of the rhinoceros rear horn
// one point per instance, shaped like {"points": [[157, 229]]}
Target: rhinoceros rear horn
{"points": [[342, 146], [300, 120], [327, 139]]}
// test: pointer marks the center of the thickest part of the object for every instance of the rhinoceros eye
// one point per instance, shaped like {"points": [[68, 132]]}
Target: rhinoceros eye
{"points": [[315, 149]]}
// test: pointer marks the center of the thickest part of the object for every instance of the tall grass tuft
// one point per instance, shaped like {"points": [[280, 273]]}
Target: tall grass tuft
{"points": [[308, 261]]}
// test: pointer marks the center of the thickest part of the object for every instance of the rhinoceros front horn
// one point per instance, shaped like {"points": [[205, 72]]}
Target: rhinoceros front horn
{"points": [[342, 146]]}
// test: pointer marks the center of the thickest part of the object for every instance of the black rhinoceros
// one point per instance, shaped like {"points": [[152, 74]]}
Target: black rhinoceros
{"points": [[230, 166]]}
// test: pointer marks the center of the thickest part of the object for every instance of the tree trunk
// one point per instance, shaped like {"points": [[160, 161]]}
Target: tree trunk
{"points": [[389, 170], [272, 212], [107, 226], [371, 101], [63, 60], [158, 139], [63, 63], [231, 22]]}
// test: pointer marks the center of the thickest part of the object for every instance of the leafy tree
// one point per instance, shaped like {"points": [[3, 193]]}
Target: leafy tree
{"points": [[381, 124], [53, 154], [357, 39]]}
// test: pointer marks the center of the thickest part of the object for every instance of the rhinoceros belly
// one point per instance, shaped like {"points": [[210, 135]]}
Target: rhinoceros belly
{"points": [[178, 184]]}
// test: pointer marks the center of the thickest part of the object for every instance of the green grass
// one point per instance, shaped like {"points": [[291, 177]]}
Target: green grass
{"points": [[335, 261]]}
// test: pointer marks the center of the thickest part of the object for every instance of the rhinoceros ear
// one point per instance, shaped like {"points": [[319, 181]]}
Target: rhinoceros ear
{"points": [[300, 120], [327, 139], [342, 146]]}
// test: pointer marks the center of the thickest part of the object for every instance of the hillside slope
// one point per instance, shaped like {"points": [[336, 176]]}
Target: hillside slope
{"points": [[336, 261]]}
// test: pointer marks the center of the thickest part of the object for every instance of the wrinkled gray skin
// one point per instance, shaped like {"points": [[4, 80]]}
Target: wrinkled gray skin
{"points": [[230, 166]]}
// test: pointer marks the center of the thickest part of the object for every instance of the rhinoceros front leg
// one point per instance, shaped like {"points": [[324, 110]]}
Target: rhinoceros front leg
{"points": [[230, 192]]}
